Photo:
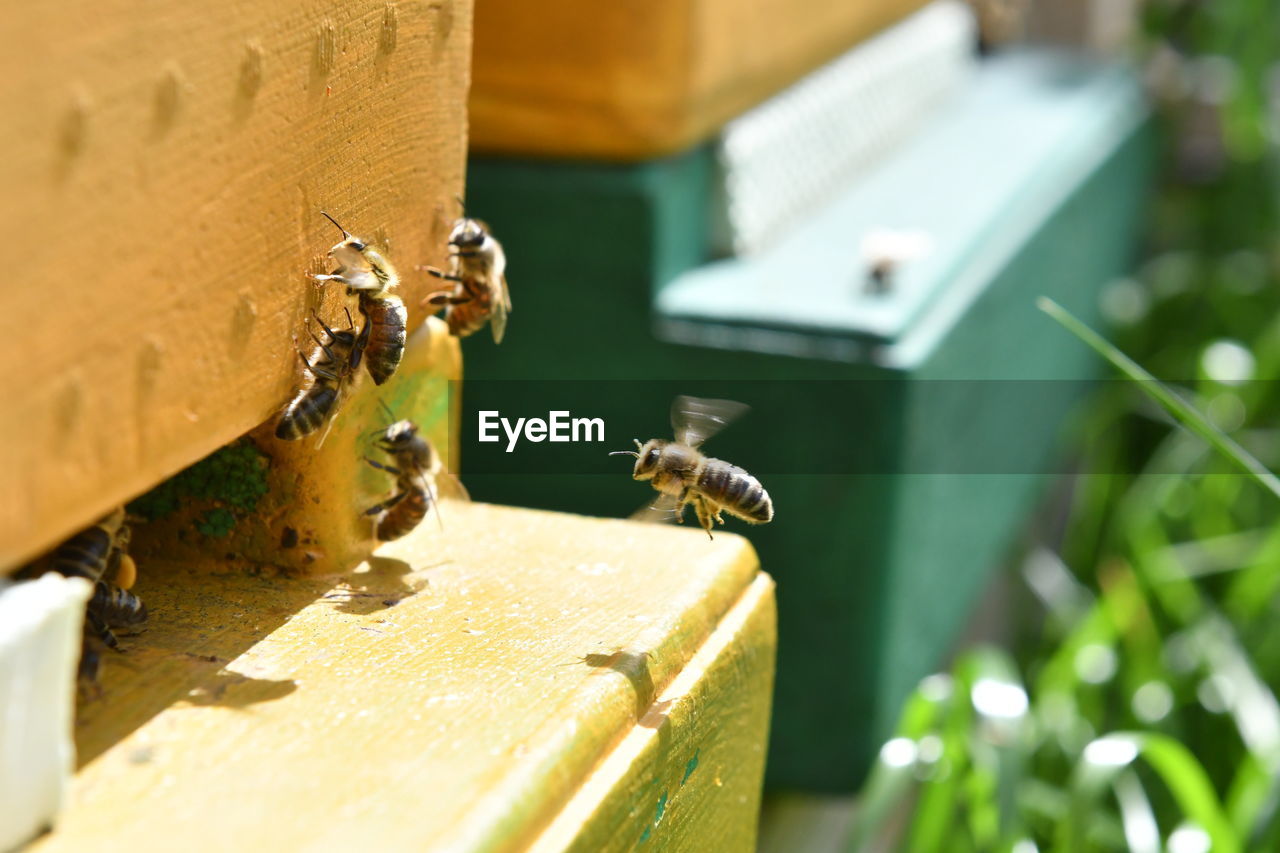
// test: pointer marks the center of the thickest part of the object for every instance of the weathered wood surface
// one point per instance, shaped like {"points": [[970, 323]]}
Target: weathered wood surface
{"points": [[634, 79], [523, 678], [165, 165]]}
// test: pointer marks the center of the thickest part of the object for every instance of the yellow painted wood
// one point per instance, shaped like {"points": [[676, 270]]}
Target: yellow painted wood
{"points": [[318, 494], [522, 678], [635, 79], [165, 165]]}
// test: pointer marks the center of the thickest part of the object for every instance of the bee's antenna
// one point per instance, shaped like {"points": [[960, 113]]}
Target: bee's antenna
{"points": [[387, 410], [625, 453], [351, 324], [335, 222], [462, 204]]}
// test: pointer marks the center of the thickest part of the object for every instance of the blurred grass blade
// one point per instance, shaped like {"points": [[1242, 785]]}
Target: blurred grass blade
{"points": [[1107, 758], [1179, 409], [1140, 828]]}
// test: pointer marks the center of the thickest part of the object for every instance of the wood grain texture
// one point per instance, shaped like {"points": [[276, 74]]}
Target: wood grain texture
{"points": [[458, 692], [165, 165], [633, 79]]}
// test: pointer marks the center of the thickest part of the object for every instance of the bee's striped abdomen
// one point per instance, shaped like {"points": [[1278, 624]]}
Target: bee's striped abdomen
{"points": [[84, 555], [306, 413], [116, 607], [388, 319], [404, 516], [736, 491]]}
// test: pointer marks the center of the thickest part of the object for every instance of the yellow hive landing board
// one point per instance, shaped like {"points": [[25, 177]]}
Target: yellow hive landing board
{"points": [[523, 678]]}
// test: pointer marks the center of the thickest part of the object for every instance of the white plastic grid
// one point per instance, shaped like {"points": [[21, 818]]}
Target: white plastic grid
{"points": [[801, 147]]}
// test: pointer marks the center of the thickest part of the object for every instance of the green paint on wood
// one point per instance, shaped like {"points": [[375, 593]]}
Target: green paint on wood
{"points": [[689, 768]]}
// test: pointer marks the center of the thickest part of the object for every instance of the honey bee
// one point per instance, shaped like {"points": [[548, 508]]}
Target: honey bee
{"points": [[418, 471], [88, 554], [369, 275], [478, 268], [113, 607], [685, 476], [95, 554], [315, 404]]}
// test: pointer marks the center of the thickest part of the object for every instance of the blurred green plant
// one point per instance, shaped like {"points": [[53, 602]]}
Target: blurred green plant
{"points": [[993, 764], [1137, 709]]}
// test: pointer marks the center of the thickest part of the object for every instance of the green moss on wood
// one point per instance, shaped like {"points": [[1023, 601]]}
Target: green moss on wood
{"points": [[234, 477]]}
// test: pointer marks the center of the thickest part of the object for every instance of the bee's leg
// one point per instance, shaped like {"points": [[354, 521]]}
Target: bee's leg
{"points": [[302, 355], [324, 373], [100, 629], [324, 348], [688, 496], [446, 297], [442, 274], [330, 277], [387, 504], [381, 467], [706, 515], [362, 340], [327, 330]]}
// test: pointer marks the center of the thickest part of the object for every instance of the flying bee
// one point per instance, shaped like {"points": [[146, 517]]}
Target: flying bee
{"points": [[478, 269], [316, 403], [419, 473], [685, 476], [369, 275]]}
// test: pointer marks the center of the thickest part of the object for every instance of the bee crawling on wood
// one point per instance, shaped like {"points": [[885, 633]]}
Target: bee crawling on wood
{"points": [[99, 554], [478, 269], [685, 476], [332, 367], [369, 275], [419, 473]]}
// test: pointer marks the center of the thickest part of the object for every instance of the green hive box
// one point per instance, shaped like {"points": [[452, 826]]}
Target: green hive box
{"points": [[903, 445]]}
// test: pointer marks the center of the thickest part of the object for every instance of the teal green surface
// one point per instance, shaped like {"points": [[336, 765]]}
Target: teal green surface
{"points": [[876, 571]]}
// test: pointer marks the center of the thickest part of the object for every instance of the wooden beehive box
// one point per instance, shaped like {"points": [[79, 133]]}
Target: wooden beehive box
{"points": [[503, 679], [165, 167], [637, 79]]}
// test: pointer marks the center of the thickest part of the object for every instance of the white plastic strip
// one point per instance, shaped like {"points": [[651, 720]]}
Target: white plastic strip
{"points": [[804, 145], [41, 624]]}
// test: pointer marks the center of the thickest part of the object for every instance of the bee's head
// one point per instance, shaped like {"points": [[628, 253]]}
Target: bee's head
{"points": [[647, 456], [398, 435], [350, 252], [467, 235]]}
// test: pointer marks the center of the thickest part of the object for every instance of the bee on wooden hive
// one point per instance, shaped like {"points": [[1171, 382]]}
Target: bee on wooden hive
{"points": [[478, 270], [370, 276], [99, 554], [684, 476], [419, 473], [330, 369]]}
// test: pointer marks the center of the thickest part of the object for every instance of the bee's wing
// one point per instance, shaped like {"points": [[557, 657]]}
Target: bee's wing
{"points": [[500, 300], [451, 487], [695, 419], [661, 511]]}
